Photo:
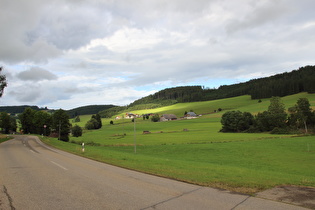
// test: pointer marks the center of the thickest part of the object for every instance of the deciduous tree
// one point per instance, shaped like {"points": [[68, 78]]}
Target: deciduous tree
{"points": [[236, 121], [301, 114], [27, 121], [42, 122], [3, 82], [277, 113]]}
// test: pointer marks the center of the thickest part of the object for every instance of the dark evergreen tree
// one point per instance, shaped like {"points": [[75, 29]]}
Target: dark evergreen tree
{"points": [[99, 121], [77, 119], [94, 123], [61, 125], [5, 122]]}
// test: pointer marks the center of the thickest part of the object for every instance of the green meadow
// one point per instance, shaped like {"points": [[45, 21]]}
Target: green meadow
{"points": [[195, 151]]}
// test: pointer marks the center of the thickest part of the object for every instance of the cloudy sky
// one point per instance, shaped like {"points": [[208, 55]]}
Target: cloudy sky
{"points": [[71, 53]]}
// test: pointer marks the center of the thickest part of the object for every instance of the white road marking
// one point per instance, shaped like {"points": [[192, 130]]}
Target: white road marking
{"points": [[59, 165]]}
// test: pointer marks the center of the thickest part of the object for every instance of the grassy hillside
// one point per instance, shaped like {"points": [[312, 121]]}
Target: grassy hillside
{"points": [[201, 128], [240, 162], [243, 103]]}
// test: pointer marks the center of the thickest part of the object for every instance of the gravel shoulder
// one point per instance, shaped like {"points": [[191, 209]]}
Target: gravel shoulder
{"points": [[296, 195]]}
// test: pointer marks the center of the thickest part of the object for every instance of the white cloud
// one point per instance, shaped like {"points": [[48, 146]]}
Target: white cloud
{"points": [[128, 39]]}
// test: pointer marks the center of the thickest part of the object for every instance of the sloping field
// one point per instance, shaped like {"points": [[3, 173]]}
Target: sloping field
{"points": [[204, 129], [201, 154]]}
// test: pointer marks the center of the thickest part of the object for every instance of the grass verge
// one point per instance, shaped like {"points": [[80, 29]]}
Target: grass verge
{"points": [[240, 166], [4, 138]]}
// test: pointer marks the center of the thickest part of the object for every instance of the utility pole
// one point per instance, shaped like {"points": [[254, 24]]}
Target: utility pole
{"points": [[59, 129]]}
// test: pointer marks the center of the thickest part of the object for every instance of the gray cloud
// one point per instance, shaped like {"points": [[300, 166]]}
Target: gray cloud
{"points": [[30, 93], [36, 74], [259, 14], [16, 20], [99, 50]]}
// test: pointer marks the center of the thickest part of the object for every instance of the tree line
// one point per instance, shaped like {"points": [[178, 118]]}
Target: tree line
{"points": [[41, 122], [44, 123], [274, 120], [38, 122], [19, 109]]}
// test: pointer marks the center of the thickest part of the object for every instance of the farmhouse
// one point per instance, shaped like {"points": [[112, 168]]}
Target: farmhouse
{"points": [[130, 116], [190, 115], [168, 117]]}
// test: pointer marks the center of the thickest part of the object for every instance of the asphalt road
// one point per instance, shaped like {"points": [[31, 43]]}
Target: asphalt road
{"points": [[34, 176]]}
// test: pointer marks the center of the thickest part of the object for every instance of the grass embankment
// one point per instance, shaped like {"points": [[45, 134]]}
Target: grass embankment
{"points": [[240, 162], [4, 138]]}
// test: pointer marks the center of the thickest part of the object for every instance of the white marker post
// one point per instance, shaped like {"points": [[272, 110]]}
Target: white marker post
{"points": [[83, 147]]}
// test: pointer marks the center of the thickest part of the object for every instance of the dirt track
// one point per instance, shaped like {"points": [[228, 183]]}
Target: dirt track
{"points": [[297, 195]]}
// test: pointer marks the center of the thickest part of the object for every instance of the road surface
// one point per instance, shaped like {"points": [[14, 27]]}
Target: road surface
{"points": [[34, 176]]}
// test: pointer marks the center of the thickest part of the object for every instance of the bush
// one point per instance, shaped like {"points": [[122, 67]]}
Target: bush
{"points": [[278, 130], [155, 118], [236, 121], [253, 129], [76, 131], [64, 138]]}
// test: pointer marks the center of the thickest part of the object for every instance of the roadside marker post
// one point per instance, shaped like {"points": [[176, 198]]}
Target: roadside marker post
{"points": [[83, 147], [135, 141]]}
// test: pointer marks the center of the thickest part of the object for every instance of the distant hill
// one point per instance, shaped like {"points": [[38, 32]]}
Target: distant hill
{"points": [[85, 110], [296, 81], [18, 109]]}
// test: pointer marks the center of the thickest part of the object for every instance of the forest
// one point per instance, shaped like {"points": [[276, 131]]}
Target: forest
{"points": [[86, 110]]}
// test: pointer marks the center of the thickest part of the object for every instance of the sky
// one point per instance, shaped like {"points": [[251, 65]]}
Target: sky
{"points": [[71, 53]]}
